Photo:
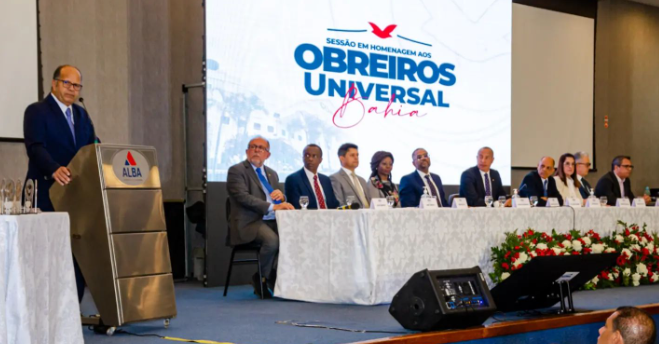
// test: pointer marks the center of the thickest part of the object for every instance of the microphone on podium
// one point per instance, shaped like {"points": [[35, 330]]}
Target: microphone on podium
{"points": [[82, 101], [348, 207]]}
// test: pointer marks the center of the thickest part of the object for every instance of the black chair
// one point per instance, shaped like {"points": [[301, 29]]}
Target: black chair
{"points": [[249, 247]]}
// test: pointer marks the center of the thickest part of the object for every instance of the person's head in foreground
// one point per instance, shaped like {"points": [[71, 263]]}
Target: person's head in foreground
{"points": [[628, 325]]}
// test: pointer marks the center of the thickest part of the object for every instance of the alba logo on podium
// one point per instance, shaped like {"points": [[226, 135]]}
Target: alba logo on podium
{"points": [[130, 167]]}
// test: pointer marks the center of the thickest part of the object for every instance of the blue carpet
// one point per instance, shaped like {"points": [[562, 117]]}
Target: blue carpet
{"points": [[242, 318]]}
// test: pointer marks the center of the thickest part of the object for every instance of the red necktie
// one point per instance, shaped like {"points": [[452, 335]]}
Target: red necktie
{"points": [[319, 194]]}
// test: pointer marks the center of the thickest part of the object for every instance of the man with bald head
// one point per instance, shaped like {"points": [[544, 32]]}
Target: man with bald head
{"points": [[54, 130], [254, 196], [628, 325], [480, 180], [539, 183]]}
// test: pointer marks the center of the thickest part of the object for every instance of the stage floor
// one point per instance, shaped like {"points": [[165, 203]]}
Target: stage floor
{"points": [[242, 318]]}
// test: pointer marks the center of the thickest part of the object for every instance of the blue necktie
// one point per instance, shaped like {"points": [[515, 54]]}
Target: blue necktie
{"points": [[69, 119], [265, 183], [488, 191], [544, 186]]}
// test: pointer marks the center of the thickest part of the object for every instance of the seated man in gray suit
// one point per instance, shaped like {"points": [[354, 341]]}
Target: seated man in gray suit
{"points": [[254, 196], [345, 182]]}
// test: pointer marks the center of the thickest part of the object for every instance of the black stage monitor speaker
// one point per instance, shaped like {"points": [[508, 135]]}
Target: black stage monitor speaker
{"points": [[443, 299]]}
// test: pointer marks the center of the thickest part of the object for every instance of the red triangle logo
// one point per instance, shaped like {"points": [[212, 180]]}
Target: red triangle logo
{"points": [[129, 158]]}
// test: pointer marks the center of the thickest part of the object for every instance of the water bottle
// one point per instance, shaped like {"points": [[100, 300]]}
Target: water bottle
{"points": [[515, 194], [647, 191]]}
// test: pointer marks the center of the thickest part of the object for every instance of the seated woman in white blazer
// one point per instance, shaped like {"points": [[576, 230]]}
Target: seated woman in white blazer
{"points": [[567, 182]]}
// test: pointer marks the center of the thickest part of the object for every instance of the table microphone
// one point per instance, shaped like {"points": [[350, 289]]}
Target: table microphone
{"points": [[352, 206]]}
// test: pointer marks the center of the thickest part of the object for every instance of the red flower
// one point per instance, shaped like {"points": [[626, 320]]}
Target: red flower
{"points": [[507, 255], [516, 255], [505, 266], [569, 237], [575, 253], [561, 245], [621, 260], [645, 251], [534, 241], [626, 232], [587, 250], [516, 247]]}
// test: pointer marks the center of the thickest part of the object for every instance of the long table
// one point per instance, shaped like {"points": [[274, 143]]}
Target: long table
{"points": [[365, 256], [38, 298]]}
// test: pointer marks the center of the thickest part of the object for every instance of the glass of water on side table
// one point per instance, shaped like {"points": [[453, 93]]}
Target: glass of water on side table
{"points": [[534, 200], [489, 200], [304, 202]]}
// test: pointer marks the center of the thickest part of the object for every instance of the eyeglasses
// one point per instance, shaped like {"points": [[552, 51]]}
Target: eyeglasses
{"points": [[258, 148], [627, 166], [583, 163], [70, 85]]}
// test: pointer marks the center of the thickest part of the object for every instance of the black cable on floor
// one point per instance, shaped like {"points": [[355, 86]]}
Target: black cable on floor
{"points": [[292, 323]]}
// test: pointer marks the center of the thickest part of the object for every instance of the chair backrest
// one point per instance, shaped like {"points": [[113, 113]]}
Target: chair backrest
{"points": [[227, 208], [450, 199]]}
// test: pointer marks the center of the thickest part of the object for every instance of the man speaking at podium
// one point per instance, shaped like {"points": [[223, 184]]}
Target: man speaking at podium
{"points": [[54, 130]]}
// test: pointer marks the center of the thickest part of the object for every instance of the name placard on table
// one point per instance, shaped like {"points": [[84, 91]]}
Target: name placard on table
{"points": [[623, 203], [379, 204], [593, 202], [552, 202], [521, 202], [460, 203], [428, 203], [573, 202]]}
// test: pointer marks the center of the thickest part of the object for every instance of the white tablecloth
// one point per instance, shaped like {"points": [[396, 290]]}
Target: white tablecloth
{"points": [[365, 256], [38, 298]]}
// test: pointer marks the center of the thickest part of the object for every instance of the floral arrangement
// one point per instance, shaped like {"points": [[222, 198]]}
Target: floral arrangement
{"points": [[638, 261], [518, 250], [637, 264]]}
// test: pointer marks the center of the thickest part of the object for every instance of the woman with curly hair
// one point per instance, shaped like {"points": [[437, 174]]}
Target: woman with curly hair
{"points": [[380, 184]]}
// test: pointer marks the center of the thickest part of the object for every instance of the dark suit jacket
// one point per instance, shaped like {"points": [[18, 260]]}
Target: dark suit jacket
{"points": [[534, 187], [49, 142], [297, 184], [473, 189], [585, 188], [411, 190], [608, 186], [248, 201]]}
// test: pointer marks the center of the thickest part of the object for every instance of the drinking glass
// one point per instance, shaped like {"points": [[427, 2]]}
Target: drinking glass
{"points": [[534, 200], [350, 200], [502, 201], [304, 202], [603, 200], [390, 201], [489, 200]]}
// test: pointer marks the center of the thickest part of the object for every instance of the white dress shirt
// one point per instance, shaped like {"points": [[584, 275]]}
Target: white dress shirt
{"points": [[425, 182], [64, 107], [621, 182], [310, 176]]}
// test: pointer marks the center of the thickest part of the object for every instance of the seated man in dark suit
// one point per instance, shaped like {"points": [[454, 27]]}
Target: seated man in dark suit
{"points": [[308, 182], [412, 185], [480, 181], [54, 130], [255, 195], [583, 168], [616, 184], [540, 184]]}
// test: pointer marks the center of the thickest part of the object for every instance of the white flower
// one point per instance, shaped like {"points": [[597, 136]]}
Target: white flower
{"points": [[576, 245], [597, 248], [611, 277], [641, 269], [636, 279], [626, 252], [523, 257], [626, 272], [644, 241], [505, 275], [650, 248], [619, 238], [567, 243], [633, 237], [533, 254], [586, 240], [541, 246], [609, 250], [615, 274], [557, 250], [654, 278], [636, 283], [635, 247], [531, 244], [595, 280]]}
